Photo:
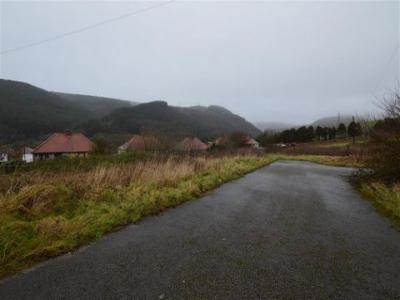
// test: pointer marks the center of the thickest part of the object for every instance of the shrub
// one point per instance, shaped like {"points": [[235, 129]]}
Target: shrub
{"points": [[384, 150]]}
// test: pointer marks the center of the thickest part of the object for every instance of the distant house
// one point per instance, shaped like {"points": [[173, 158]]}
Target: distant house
{"points": [[27, 155], [236, 140], [140, 143], [64, 144], [222, 141], [5, 150], [191, 144], [252, 143], [3, 157]]}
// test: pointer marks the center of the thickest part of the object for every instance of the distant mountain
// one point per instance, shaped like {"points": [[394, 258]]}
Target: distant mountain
{"points": [[274, 126], [219, 120], [159, 117], [98, 106], [29, 112], [332, 121]]}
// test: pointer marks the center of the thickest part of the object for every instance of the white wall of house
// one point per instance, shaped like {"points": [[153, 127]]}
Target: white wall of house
{"points": [[3, 157], [28, 157]]}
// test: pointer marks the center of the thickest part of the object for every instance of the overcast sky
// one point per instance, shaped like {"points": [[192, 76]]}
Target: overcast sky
{"points": [[267, 61]]}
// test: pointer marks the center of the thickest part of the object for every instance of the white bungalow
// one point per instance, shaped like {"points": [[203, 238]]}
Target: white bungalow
{"points": [[3, 157], [27, 155]]}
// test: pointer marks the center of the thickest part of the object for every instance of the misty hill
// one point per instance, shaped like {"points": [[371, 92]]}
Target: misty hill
{"points": [[98, 106], [332, 121], [159, 117], [27, 111], [274, 126], [219, 120]]}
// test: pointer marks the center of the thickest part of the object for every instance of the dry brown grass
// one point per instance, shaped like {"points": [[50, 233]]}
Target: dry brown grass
{"points": [[156, 171], [386, 198], [342, 147]]}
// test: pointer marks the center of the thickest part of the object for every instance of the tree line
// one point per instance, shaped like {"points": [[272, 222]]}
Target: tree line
{"points": [[306, 134]]}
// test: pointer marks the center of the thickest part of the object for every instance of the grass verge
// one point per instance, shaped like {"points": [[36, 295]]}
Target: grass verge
{"points": [[384, 197], [336, 161]]}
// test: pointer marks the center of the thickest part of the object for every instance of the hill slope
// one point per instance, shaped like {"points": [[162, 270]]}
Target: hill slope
{"points": [[98, 106], [274, 126], [219, 120], [332, 121], [159, 117], [27, 111]]}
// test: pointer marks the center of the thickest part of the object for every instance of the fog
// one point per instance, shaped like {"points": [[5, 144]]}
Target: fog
{"points": [[267, 61]]}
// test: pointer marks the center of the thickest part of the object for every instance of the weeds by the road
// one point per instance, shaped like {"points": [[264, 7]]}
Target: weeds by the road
{"points": [[337, 161], [385, 198]]}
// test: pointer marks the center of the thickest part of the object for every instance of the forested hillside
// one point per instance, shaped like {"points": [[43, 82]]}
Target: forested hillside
{"points": [[333, 121], [98, 106], [159, 117], [28, 113], [274, 126]]}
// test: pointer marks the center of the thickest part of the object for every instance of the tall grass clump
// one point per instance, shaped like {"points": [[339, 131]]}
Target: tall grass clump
{"points": [[385, 198], [75, 164], [46, 212]]}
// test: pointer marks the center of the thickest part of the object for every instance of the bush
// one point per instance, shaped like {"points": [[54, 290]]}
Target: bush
{"points": [[383, 157], [384, 150]]}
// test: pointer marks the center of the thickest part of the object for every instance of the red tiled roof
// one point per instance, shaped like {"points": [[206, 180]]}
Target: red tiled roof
{"points": [[226, 140], [139, 142], [250, 141], [65, 143], [222, 141], [191, 143]]}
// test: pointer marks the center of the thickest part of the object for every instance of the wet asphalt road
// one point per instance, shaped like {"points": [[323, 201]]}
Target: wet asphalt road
{"points": [[292, 230]]}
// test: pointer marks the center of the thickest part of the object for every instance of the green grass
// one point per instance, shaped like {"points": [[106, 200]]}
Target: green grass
{"points": [[335, 145], [341, 143], [73, 164], [337, 161], [384, 197]]}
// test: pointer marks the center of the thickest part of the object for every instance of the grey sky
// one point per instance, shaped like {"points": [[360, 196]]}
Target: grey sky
{"points": [[267, 61]]}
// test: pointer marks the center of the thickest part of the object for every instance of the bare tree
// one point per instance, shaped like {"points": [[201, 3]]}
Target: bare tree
{"points": [[384, 156], [391, 105]]}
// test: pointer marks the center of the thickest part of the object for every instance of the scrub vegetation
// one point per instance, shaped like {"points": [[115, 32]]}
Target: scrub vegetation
{"points": [[381, 183], [336, 161], [385, 198]]}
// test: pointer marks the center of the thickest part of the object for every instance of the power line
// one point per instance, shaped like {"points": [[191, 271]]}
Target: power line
{"points": [[62, 35], [382, 75]]}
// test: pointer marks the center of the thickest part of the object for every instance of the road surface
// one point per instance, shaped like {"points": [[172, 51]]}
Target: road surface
{"points": [[292, 230]]}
